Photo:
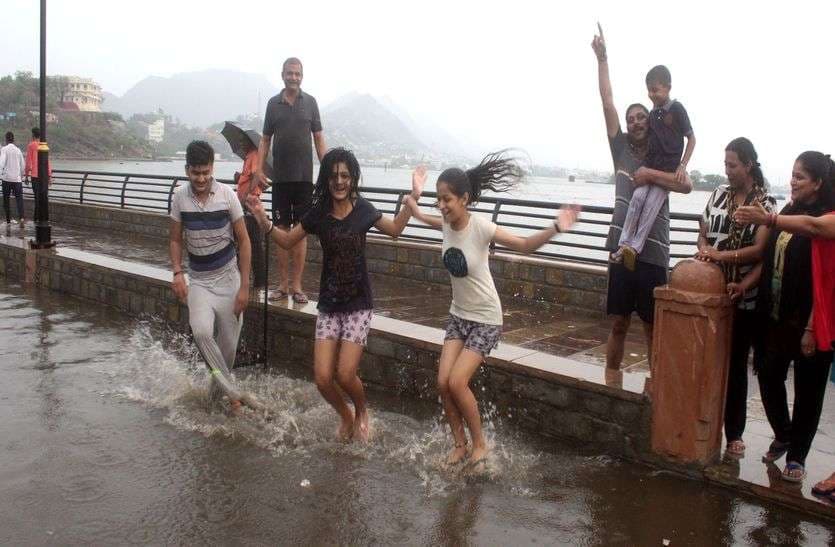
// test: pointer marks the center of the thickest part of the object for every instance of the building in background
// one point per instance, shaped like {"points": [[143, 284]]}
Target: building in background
{"points": [[156, 131], [83, 92]]}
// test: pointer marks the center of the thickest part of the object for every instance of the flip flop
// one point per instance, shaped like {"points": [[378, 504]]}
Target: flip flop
{"points": [[825, 487], [775, 451], [791, 467], [300, 298], [735, 449], [277, 294]]}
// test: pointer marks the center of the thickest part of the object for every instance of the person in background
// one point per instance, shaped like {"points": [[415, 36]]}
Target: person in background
{"points": [[821, 230], [12, 168], [292, 117], [669, 126], [792, 318], [31, 174], [737, 249], [247, 185], [632, 291]]}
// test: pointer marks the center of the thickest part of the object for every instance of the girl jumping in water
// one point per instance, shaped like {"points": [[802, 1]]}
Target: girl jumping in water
{"points": [[340, 217], [475, 322]]}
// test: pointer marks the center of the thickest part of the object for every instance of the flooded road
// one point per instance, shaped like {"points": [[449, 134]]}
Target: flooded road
{"points": [[106, 438]]}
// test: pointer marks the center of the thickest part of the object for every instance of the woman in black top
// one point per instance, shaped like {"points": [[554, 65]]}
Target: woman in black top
{"points": [[784, 303], [340, 217]]}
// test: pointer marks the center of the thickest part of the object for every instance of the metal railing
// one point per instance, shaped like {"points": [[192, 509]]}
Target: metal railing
{"points": [[585, 243]]}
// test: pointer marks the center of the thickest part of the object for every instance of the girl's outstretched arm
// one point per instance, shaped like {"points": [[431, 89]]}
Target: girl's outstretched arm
{"points": [[395, 227], [432, 220], [286, 239], [562, 223]]}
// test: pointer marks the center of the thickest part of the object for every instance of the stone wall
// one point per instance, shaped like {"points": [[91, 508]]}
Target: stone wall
{"points": [[540, 393], [569, 287]]}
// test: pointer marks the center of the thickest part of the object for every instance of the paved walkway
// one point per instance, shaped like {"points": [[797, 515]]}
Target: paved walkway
{"points": [[536, 327]]}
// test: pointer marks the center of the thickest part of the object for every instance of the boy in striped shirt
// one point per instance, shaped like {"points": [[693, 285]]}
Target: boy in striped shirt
{"points": [[207, 217]]}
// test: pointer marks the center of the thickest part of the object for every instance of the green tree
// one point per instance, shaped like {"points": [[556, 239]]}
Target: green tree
{"points": [[696, 177]]}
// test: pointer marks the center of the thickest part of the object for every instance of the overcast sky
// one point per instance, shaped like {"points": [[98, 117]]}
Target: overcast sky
{"points": [[495, 74]]}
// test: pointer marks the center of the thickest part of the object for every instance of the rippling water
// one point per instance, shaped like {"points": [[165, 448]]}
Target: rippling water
{"points": [[107, 438]]}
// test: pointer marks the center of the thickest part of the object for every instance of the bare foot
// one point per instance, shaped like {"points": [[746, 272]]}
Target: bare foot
{"points": [[344, 431], [456, 455], [478, 457], [360, 430]]}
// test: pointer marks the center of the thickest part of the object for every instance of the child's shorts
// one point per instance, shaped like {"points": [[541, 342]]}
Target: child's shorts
{"points": [[352, 326], [478, 337]]}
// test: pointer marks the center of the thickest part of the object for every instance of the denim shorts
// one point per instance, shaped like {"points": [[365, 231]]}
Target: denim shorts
{"points": [[352, 326], [477, 337]]}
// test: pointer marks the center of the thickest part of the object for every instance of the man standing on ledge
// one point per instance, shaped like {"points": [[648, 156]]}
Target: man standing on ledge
{"points": [[630, 291], [208, 217], [291, 117]]}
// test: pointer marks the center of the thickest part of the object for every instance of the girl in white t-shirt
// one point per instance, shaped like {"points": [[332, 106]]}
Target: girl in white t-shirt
{"points": [[475, 321]]}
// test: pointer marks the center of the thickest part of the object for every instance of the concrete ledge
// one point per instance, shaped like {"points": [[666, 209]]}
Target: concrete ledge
{"points": [[549, 395]]}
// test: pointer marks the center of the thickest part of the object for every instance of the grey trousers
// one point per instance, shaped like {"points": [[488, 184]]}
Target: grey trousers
{"points": [[644, 206], [216, 330]]}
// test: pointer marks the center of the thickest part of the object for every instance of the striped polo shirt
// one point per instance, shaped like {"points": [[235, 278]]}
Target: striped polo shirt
{"points": [[207, 230]]}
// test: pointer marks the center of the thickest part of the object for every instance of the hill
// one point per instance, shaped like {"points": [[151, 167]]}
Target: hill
{"points": [[196, 98], [70, 134]]}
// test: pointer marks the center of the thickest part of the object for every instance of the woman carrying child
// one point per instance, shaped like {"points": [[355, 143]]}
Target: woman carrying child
{"points": [[475, 322], [340, 217]]}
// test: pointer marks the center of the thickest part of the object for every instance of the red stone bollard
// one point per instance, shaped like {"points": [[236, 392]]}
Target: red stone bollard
{"points": [[691, 348]]}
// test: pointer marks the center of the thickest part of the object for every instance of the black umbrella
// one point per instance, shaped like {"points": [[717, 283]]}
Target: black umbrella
{"points": [[238, 138]]}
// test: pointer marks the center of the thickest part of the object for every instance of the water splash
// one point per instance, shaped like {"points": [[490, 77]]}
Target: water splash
{"points": [[163, 370]]}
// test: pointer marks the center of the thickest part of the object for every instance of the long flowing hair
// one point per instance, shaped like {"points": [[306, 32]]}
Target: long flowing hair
{"points": [[498, 172]]}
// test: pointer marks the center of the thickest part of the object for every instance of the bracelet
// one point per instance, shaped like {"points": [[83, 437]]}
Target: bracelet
{"points": [[272, 225], [557, 226], [771, 221], [810, 329], [177, 272]]}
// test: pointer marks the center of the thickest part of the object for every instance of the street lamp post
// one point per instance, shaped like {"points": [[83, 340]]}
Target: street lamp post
{"points": [[43, 231]]}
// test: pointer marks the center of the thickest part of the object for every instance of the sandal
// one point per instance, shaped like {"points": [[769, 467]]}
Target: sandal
{"points": [[735, 448], [277, 294], [299, 297], [775, 451], [794, 472], [825, 487]]}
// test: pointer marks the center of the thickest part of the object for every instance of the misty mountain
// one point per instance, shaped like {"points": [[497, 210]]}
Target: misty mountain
{"points": [[361, 123], [196, 98], [374, 126]]}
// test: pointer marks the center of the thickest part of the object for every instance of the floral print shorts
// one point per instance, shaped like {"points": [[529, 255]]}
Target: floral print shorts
{"points": [[477, 337], [352, 326]]}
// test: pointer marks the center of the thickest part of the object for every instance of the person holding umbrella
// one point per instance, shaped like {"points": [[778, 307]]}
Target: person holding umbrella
{"points": [[244, 144]]}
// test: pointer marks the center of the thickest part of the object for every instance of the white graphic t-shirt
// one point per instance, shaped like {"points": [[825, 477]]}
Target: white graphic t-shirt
{"points": [[466, 257]]}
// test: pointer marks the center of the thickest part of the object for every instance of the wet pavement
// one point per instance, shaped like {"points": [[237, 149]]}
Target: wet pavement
{"points": [[538, 328], [107, 438]]}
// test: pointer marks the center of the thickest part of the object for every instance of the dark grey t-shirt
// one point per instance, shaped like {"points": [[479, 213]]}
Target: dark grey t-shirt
{"points": [[344, 284], [291, 127], [657, 248]]}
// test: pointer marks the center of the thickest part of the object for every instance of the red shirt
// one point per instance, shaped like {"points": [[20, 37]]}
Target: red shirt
{"points": [[246, 176], [823, 292], [32, 160]]}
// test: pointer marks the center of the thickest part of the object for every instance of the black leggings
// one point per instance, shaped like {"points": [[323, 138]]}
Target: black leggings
{"points": [[782, 346], [736, 404]]}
